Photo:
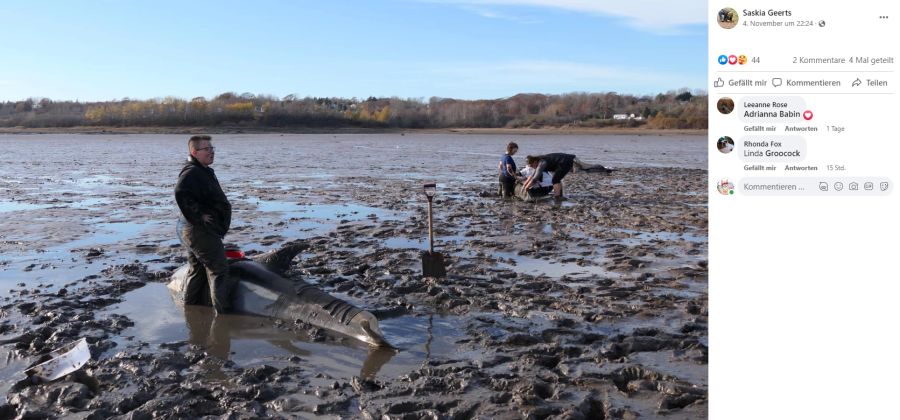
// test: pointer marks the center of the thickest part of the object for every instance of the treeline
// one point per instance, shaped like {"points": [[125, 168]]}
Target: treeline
{"points": [[675, 109]]}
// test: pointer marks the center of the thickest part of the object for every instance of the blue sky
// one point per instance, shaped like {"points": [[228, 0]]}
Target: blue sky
{"points": [[469, 49]]}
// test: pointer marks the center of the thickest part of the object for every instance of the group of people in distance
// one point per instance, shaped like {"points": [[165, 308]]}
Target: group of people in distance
{"points": [[542, 174]]}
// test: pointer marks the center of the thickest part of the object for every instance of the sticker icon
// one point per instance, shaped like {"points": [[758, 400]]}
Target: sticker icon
{"points": [[723, 59], [884, 186], [807, 115]]}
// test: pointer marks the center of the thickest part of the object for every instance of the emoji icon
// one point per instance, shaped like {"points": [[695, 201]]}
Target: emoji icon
{"points": [[723, 59], [742, 59], [838, 186], [807, 115], [732, 59]]}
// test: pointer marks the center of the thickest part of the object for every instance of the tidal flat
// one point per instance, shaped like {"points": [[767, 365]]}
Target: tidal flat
{"points": [[591, 307]]}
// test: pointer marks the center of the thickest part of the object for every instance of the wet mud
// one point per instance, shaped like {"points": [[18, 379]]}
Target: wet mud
{"points": [[591, 307]]}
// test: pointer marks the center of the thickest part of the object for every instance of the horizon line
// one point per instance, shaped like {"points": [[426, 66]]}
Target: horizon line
{"points": [[38, 98]]}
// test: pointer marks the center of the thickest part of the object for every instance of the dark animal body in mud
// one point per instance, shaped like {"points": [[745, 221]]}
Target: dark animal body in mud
{"points": [[261, 289]]}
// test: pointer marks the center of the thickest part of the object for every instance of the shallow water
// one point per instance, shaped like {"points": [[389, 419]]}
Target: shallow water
{"points": [[108, 203], [248, 340]]}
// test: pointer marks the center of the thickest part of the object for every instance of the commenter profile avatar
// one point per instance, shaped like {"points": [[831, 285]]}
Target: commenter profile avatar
{"points": [[725, 144], [725, 187], [725, 105]]}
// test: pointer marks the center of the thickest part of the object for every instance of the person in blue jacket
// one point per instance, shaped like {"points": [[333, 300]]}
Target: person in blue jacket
{"points": [[507, 170]]}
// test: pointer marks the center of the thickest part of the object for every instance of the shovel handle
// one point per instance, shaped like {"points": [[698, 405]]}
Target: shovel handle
{"points": [[430, 230]]}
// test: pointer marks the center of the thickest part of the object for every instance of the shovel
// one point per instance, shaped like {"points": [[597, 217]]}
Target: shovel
{"points": [[432, 262]]}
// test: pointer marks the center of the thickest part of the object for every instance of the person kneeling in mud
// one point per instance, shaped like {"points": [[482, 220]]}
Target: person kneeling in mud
{"points": [[560, 164], [540, 188]]}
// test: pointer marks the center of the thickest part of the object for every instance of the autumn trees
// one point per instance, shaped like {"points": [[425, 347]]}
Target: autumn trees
{"points": [[681, 109]]}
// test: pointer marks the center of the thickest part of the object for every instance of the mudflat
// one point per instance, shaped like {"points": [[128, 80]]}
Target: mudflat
{"points": [[592, 307]]}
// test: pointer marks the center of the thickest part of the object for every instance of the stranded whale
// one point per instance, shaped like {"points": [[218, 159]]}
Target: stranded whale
{"points": [[262, 289]]}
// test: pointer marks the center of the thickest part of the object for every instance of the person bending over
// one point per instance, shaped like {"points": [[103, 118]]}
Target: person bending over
{"points": [[540, 188], [560, 164]]}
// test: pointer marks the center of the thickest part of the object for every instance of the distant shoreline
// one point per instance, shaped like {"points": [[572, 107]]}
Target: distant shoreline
{"points": [[352, 130]]}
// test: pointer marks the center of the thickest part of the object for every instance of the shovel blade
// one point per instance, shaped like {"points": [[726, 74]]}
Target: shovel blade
{"points": [[433, 265]]}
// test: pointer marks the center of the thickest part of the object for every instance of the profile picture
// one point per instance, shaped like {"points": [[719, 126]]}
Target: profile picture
{"points": [[725, 187], [727, 18], [725, 105], [725, 144]]}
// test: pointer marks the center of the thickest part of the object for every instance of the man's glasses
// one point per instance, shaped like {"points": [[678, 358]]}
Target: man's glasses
{"points": [[210, 148]]}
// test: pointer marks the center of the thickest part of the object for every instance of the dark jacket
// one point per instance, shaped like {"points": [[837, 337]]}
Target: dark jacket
{"points": [[553, 162], [197, 193]]}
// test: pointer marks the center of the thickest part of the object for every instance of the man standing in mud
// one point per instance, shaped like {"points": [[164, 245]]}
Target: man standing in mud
{"points": [[205, 219]]}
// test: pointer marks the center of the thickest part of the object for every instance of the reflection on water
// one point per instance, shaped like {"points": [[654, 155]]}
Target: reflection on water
{"points": [[535, 266], [430, 337], [214, 333], [422, 243], [661, 236], [7, 206], [112, 232], [375, 360], [252, 340], [349, 211]]}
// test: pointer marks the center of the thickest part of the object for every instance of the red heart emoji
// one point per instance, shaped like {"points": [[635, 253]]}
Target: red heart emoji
{"points": [[807, 115]]}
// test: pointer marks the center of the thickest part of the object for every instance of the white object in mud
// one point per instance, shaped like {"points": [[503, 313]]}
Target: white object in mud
{"points": [[63, 361], [527, 196]]}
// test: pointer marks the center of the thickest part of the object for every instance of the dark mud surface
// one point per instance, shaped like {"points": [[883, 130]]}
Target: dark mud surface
{"points": [[593, 307]]}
